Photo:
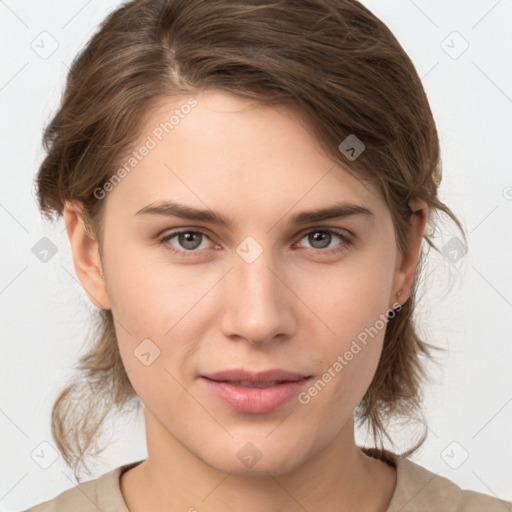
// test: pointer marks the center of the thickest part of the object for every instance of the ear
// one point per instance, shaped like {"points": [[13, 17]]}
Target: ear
{"points": [[86, 255], [408, 263]]}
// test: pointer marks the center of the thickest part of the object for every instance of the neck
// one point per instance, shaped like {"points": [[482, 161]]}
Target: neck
{"points": [[338, 477]]}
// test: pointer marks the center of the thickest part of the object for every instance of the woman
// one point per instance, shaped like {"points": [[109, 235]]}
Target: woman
{"points": [[246, 187]]}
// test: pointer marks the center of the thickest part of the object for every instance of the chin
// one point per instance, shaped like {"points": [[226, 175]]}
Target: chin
{"points": [[249, 460]]}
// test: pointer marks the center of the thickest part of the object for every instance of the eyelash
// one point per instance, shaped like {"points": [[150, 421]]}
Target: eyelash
{"points": [[194, 252]]}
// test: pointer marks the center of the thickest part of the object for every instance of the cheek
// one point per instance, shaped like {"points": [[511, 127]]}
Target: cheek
{"points": [[159, 313], [149, 294], [350, 296], [351, 302]]}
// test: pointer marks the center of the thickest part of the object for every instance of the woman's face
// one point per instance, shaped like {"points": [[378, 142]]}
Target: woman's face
{"points": [[264, 293]]}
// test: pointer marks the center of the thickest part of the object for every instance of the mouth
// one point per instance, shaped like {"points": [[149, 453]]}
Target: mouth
{"points": [[254, 393], [242, 377], [251, 384]]}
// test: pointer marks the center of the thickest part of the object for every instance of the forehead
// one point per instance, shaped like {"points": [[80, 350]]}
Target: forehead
{"points": [[220, 149]]}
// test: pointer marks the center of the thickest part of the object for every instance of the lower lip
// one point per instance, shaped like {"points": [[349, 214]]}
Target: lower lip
{"points": [[255, 400]]}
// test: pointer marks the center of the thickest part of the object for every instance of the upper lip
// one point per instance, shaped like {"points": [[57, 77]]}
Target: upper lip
{"points": [[239, 374]]}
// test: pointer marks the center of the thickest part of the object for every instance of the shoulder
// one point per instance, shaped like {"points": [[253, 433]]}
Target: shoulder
{"points": [[81, 498], [102, 493], [418, 489]]}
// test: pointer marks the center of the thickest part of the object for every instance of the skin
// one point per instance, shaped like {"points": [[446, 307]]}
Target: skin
{"points": [[294, 307]]}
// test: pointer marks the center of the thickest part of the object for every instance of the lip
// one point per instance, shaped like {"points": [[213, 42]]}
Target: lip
{"points": [[252, 399], [263, 376]]}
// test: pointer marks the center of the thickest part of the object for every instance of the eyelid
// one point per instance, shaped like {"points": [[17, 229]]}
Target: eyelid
{"points": [[170, 233], [339, 231]]}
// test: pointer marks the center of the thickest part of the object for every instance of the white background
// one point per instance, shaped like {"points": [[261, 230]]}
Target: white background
{"points": [[466, 306]]}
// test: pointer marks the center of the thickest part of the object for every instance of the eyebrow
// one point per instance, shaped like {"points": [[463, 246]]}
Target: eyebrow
{"points": [[336, 211]]}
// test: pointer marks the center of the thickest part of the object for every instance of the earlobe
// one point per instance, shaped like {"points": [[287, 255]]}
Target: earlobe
{"points": [[86, 258], [407, 265]]}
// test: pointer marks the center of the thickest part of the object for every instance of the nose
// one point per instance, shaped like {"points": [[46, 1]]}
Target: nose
{"points": [[258, 306]]}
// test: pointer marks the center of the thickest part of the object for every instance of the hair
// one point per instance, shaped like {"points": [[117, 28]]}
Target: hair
{"points": [[333, 62]]}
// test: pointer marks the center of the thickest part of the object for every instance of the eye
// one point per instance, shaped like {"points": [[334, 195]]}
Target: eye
{"points": [[191, 242], [320, 239]]}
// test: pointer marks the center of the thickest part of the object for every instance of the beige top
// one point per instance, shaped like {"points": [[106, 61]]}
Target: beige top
{"points": [[417, 489]]}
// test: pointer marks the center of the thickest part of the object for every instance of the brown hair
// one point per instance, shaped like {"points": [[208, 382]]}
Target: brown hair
{"points": [[332, 61]]}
